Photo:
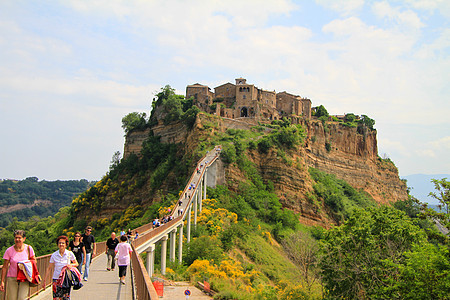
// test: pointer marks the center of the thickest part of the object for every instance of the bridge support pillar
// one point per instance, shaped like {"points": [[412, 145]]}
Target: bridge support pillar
{"points": [[180, 244], [173, 235], [205, 183], [195, 208], [151, 260], [199, 196], [163, 254], [188, 225]]}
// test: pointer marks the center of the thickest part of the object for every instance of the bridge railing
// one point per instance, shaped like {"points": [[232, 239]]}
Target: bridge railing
{"points": [[142, 282]]}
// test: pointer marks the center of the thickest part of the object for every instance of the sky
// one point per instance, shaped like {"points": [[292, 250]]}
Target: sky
{"points": [[71, 70]]}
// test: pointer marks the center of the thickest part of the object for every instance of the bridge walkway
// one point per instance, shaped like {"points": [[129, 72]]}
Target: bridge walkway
{"points": [[102, 284]]}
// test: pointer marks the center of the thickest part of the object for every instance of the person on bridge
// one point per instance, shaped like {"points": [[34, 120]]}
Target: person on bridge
{"points": [[111, 245], [123, 250], [14, 254], [59, 259], [89, 243], [77, 247]]}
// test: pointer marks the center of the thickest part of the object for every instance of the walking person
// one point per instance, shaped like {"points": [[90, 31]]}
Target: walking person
{"points": [[89, 244], [124, 253], [77, 247], [129, 235], [59, 259], [15, 290], [111, 245]]}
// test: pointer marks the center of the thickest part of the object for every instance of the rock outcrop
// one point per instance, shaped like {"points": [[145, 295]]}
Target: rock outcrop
{"points": [[333, 148]]}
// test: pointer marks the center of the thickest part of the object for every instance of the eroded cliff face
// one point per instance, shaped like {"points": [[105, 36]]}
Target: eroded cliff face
{"points": [[353, 157], [335, 149]]}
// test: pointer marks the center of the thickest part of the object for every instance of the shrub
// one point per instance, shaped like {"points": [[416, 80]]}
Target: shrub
{"points": [[264, 145]]}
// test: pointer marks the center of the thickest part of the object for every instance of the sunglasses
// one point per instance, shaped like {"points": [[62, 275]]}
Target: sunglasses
{"points": [[77, 236]]}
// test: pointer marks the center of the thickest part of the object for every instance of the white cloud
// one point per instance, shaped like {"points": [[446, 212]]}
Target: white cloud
{"points": [[91, 91], [344, 7], [437, 48], [442, 143], [406, 18], [442, 6]]}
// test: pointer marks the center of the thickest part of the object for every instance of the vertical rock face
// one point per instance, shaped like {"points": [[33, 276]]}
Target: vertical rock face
{"points": [[353, 157], [133, 142]]}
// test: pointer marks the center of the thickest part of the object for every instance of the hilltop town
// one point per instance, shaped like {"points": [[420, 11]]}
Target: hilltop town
{"points": [[244, 100]]}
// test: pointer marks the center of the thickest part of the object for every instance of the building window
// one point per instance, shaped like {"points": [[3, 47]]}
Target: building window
{"points": [[243, 97]]}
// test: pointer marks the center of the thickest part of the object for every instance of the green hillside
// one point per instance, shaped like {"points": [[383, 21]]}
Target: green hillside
{"points": [[246, 243], [30, 197]]}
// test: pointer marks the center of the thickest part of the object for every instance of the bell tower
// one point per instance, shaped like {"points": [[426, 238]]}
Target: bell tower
{"points": [[241, 81]]}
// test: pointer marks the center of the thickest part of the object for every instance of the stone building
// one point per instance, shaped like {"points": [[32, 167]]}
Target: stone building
{"points": [[202, 95], [244, 100], [288, 104]]}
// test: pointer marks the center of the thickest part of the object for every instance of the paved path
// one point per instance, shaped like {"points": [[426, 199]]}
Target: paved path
{"points": [[176, 292], [102, 284]]}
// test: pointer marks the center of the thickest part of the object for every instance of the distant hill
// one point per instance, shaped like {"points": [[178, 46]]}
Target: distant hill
{"points": [[421, 185], [30, 197]]}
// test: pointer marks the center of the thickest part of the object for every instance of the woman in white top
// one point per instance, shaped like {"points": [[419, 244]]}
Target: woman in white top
{"points": [[123, 258], [58, 260]]}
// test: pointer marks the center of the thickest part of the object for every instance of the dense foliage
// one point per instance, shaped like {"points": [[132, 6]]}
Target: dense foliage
{"points": [[339, 196], [36, 198], [134, 121], [379, 253], [173, 107], [40, 232]]}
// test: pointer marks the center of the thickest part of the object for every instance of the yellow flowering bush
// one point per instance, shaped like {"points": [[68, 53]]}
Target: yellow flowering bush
{"points": [[164, 210], [215, 220]]}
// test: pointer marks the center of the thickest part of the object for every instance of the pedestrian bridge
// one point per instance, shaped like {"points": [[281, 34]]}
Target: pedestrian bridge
{"points": [[104, 285]]}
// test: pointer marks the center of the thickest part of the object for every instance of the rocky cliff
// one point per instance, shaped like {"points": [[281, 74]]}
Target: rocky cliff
{"points": [[331, 147]]}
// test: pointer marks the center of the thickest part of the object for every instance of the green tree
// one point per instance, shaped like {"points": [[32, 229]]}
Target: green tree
{"points": [[360, 258], [134, 121], [321, 111], [366, 121], [425, 273], [174, 107], [443, 196], [350, 117], [115, 160]]}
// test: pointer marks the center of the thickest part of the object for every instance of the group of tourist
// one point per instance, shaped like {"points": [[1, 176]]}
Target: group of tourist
{"points": [[157, 222], [70, 256]]}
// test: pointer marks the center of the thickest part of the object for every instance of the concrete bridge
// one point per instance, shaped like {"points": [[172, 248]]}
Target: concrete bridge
{"points": [[105, 285], [191, 202]]}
